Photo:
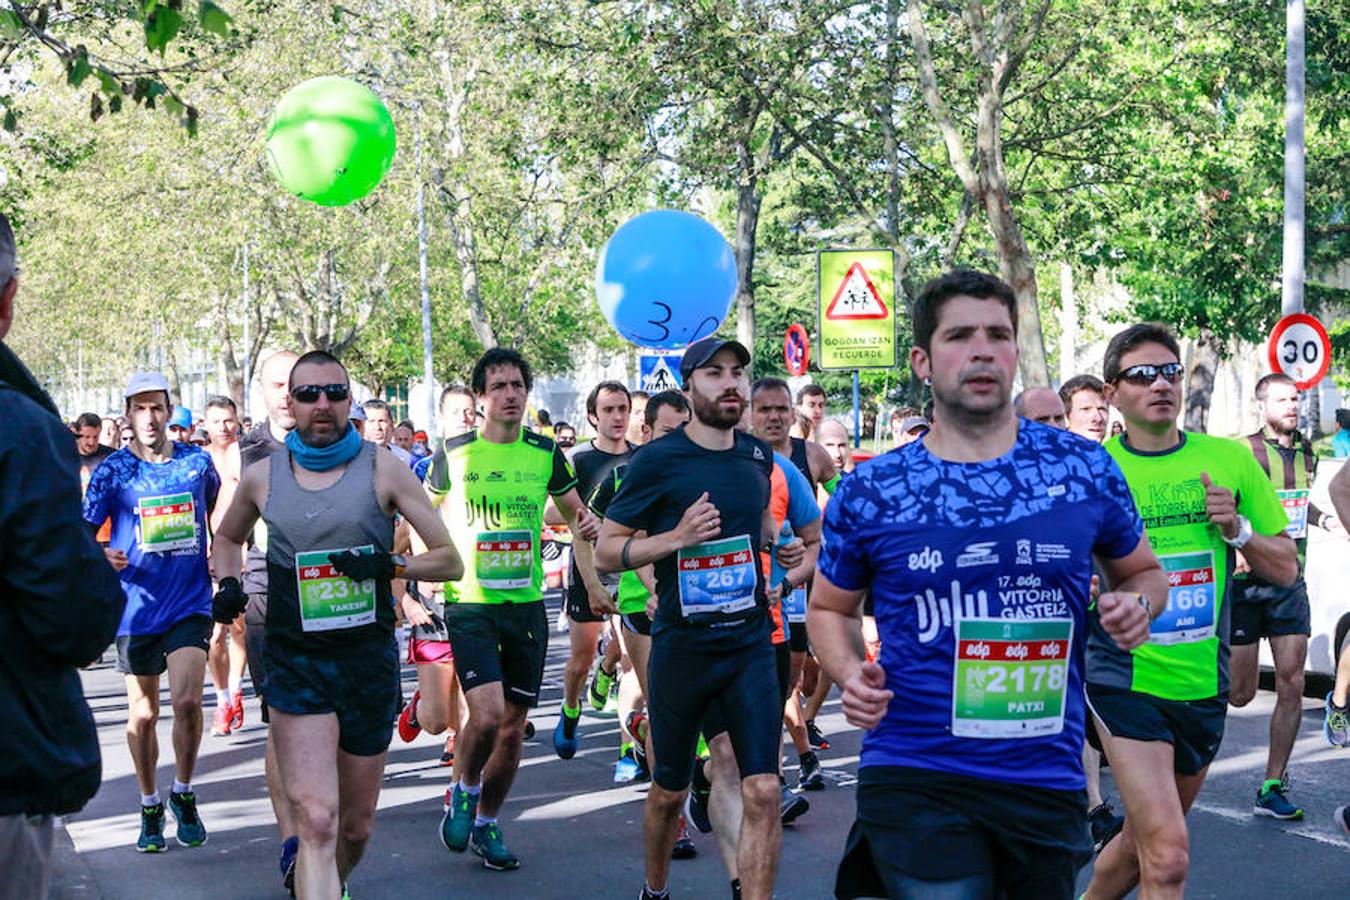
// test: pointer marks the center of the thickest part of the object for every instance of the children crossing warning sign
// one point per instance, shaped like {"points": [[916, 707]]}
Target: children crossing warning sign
{"points": [[855, 297]]}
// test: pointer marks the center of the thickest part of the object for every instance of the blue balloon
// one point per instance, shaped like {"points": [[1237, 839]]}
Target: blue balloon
{"points": [[665, 279]]}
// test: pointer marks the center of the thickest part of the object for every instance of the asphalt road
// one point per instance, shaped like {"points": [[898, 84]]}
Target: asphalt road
{"points": [[578, 834]]}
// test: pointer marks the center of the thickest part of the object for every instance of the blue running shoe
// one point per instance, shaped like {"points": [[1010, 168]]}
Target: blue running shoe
{"points": [[565, 739], [290, 848], [458, 820], [626, 770], [1336, 724], [191, 831], [487, 842], [152, 830], [1271, 801]]}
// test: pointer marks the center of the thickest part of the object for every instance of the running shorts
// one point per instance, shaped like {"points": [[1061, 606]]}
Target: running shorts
{"points": [[925, 826], [637, 623], [255, 640], [500, 642], [1194, 728], [739, 685], [1267, 610], [579, 604], [797, 637], [359, 684], [148, 654]]}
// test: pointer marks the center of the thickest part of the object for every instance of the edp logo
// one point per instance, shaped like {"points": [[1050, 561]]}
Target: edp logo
{"points": [[927, 560]]}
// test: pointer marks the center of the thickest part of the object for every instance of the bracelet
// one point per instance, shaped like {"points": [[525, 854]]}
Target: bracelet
{"points": [[623, 555]]}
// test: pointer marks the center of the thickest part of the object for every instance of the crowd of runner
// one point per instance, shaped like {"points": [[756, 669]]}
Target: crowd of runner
{"points": [[1010, 597]]}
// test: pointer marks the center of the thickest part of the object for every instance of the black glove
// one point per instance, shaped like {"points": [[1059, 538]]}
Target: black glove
{"points": [[229, 601], [363, 566]]}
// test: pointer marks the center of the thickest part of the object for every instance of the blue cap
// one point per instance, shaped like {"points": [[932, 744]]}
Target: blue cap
{"points": [[182, 418]]}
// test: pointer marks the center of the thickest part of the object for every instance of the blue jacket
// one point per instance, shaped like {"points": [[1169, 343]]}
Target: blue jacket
{"points": [[60, 603]]}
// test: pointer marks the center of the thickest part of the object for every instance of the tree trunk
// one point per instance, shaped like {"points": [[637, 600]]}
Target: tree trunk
{"points": [[747, 221], [1200, 380]]}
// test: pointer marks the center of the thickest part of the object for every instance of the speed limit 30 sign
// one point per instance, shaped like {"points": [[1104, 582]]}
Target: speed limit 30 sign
{"points": [[1300, 348]]}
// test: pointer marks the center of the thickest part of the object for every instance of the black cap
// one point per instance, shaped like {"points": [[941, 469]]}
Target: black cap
{"points": [[700, 352]]}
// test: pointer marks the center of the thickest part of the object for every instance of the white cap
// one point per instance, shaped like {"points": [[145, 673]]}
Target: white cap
{"points": [[358, 412], [142, 382]]}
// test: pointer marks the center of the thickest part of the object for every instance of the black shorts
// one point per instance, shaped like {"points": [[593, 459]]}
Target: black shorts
{"points": [[579, 604], [1194, 728], [797, 637], [500, 642], [928, 826], [360, 684], [1266, 610], [255, 632], [686, 684], [637, 623], [148, 654]]}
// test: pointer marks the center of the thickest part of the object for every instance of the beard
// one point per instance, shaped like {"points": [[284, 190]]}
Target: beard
{"points": [[710, 411], [314, 437]]}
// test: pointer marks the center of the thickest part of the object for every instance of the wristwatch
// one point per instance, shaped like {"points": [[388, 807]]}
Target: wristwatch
{"points": [[1243, 536], [400, 563]]}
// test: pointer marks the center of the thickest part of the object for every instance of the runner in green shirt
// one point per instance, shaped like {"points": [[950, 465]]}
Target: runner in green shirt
{"points": [[496, 482], [1160, 708]]}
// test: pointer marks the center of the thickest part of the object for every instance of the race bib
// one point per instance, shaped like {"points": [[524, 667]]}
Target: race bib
{"points": [[1010, 677], [1295, 505], [167, 523], [716, 577], [329, 600], [504, 559], [794, 604], [1191, 596]]}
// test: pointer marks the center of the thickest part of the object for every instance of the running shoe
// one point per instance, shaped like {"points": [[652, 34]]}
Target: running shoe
{"points": [[1105, 824], [612, 703], [1271, 801], [458, 820], [487, 842], [290, 848], [793, 806], [448, 752], [1336, 725], [814, 737], [529, 730], [152, 830], [696, 804], [684, 845], [220, 723], [565, 739], [191, 831], [408, 729], [812, 777], [237, 711], [626, 768], [1342, 817], [598, 694]]}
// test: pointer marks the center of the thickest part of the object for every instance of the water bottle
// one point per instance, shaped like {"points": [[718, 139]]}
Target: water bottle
{"points": [[776, 572]]}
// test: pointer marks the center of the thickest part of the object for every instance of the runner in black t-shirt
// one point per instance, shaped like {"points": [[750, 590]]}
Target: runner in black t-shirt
{"points": [[590, 598], [710, 638]]}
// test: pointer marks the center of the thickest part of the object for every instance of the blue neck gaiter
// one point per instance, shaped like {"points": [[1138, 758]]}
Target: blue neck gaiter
{"points": [[321, 459]]}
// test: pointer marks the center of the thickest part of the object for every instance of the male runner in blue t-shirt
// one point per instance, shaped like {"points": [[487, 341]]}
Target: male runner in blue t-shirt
{"points": [[976, 542], [159, 493]]}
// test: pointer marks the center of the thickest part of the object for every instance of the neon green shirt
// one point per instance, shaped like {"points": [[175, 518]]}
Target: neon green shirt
{"points": [[497, 494], [1186, 657]]}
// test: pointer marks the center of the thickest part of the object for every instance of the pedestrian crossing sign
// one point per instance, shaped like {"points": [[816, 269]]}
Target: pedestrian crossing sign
{"points": [[659, 372]]}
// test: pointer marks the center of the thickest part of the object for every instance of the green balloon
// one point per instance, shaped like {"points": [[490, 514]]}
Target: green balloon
{"points": [[330, 140]]}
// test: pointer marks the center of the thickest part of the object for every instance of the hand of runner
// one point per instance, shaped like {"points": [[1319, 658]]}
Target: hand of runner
{"points": [[1094, 590], [415, 612], [866, 697], [1220, 506], [601, 603], [363, 566], [700, 522], [588, 524], [117, 559], [774, 594], [1240, 564], [792, 553], [1124, 618], [228, 602]]}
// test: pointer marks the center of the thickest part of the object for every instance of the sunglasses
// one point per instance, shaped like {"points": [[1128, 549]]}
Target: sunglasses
{"points": [[309, 393], [1145, 374]]}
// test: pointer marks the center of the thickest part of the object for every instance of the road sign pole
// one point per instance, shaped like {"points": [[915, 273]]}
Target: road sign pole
{"points": [[1292, 280], [857, 413]]}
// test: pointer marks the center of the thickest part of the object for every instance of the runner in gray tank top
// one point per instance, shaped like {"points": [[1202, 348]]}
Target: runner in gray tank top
{"points": [[328, 500]]}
